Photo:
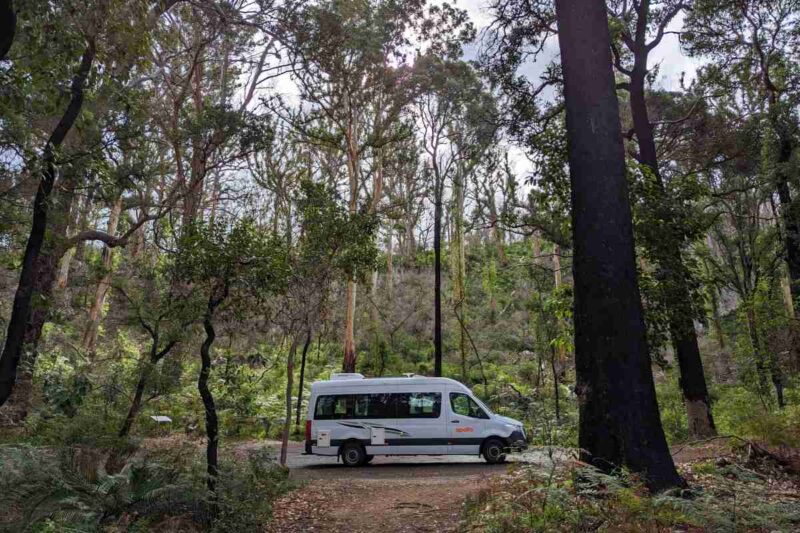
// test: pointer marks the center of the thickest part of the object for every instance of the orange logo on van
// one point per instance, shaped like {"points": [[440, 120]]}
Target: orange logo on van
{"points": [[464, 430]]}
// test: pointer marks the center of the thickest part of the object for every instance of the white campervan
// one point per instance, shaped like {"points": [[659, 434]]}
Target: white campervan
{"points": [[358, 418]]}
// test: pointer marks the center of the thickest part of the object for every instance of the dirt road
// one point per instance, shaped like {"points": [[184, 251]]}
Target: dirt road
{"points": [[393, 494]]}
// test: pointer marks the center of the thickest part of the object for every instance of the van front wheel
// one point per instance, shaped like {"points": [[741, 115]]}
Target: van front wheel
{"points": [[353, 454], [494, 451]]}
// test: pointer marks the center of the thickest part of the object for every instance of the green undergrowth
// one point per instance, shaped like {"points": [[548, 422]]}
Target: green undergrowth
{"points": [[68, 488], [724, 499], [738, 410]]}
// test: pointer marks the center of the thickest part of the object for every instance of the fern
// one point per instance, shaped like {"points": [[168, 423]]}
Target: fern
{"points": [[67, 490]]}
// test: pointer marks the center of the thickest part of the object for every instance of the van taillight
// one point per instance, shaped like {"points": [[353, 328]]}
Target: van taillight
{"points": [[308, 429]]}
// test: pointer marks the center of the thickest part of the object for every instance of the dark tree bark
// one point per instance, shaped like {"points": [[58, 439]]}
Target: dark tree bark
{"points": [[144, 377], [619, 419], [8, 26], [790, 216], [39, 269], [289, 385], [302, 378], [667, 248], [212, 422], [437, 281], [556, 395], [672, 268]]}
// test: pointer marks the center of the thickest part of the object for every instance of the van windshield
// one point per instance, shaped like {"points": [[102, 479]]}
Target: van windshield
{"points": [[483, 405], [464, 405]]}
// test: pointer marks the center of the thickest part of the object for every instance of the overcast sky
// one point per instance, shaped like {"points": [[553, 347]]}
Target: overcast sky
{"points": [[672, 62], [668, 55]]}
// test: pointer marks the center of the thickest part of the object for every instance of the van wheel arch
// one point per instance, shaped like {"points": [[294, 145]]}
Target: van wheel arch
{"points": [[353, 443], [492, 439]]}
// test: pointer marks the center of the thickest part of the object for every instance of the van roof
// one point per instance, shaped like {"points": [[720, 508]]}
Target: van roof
{"points": [[357, 382]]}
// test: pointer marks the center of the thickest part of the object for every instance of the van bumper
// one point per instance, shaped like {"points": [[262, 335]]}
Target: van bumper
{"points": [[517, 441]]}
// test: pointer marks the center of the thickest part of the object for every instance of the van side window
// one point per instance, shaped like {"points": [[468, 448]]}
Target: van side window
{"points": [[418, 404], [463, 405], [394, 405], [334, 407], [374, 406]]}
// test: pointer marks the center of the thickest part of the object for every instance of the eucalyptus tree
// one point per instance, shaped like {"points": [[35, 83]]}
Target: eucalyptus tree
{"points": [[89, 37], [199, 55], [349, 61], [752, 46], [222, 267], [341, 54], [637, 30], [743, 255], [619, 418], [332, 243], [456, 115]]}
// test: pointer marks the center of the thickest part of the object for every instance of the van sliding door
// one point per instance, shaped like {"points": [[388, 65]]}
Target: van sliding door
{"points": [[418, 425]]}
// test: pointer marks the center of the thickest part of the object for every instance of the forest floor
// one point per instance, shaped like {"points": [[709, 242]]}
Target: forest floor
{"points": [[392, 494], [427, 494]]}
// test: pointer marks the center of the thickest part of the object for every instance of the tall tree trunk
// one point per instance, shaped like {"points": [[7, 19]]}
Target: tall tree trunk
{"points": [[619, 418], [437, 278], [790, 216], [80, 248], [561, 351], [374, 315], [390, 263], [212, 423], [76, 221], [8, 26], [458, 259], [289, 386], [786, 291], [556, 381], [352, 157], [192, 202], [758, 354], [672, 268], [39, 270], [349, 363], [302, 378], [96, 310]]}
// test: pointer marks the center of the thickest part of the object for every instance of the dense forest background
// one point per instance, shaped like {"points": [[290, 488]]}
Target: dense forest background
{"points": [[206, 206]]}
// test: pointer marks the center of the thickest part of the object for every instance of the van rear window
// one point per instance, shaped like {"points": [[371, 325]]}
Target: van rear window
{"points": [[388, 405]]}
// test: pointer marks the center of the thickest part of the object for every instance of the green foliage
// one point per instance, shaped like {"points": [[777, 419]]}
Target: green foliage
{"points": [[333, 238], [247, 489], [71, 490], [584, 499], [673, 409], [238, 258], [68, 489], [580, 500], [666, 222], [740, 411]]}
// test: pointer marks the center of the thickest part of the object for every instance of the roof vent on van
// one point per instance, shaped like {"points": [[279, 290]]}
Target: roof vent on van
{"points": [[336, 376]]}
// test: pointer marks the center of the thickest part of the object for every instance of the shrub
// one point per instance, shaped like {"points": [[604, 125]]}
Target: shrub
{"points": [[739, 411], [247, 490]]}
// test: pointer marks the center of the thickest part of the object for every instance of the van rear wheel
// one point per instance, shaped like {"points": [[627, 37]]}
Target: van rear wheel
{"points": [[494, 451], [353, 454]]}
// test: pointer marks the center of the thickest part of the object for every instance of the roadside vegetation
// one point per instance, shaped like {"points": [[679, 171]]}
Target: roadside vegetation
{"points": [[205, 206]]}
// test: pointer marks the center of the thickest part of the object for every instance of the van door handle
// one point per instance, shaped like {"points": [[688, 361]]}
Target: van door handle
{"points": [[455, 421]]}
